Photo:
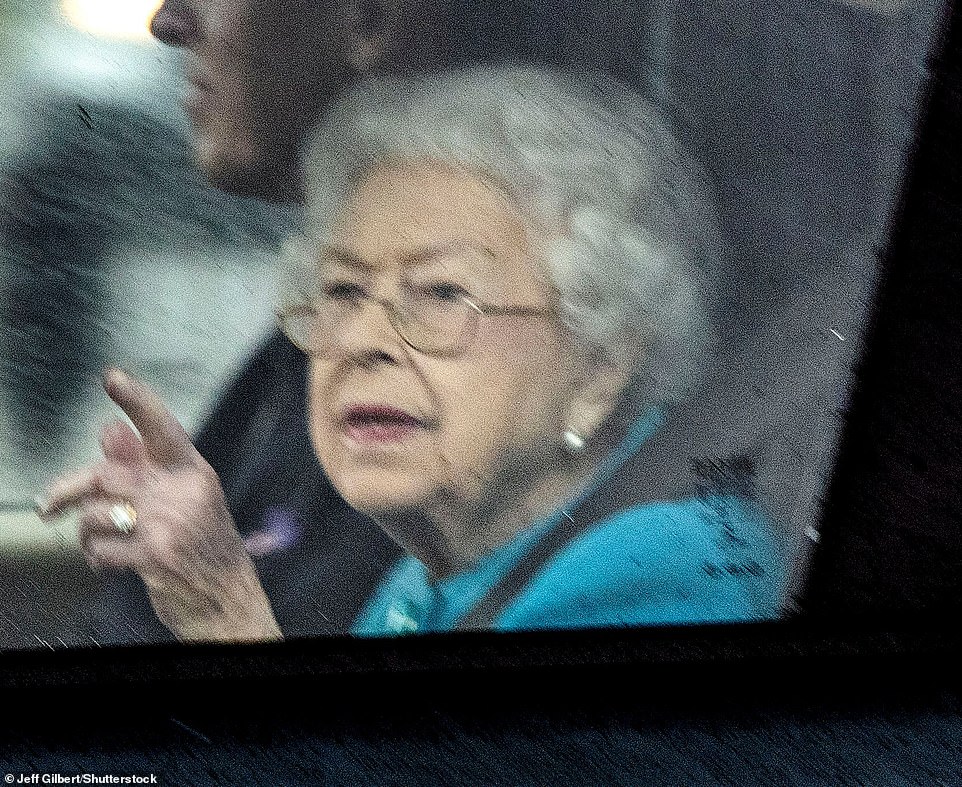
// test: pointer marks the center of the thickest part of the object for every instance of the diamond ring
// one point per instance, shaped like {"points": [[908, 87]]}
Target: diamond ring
{"points": [[124, 517]]}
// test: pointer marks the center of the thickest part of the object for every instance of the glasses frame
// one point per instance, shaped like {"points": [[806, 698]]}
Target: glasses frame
{"points": [[395, 316]]}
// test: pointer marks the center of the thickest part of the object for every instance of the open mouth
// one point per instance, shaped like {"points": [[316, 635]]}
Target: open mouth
{"points": [[379, 424]]}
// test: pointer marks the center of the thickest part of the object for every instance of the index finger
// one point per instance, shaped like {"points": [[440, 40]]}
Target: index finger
{"points": [[165, 439]]}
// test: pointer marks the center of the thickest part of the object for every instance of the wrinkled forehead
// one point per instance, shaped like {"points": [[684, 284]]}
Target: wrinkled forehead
{"points": [[401, 206], [453, 256], [445, 215], [477, 271]]}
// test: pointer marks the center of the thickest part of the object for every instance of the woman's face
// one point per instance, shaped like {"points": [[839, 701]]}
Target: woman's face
{"points": [[398, 430]]}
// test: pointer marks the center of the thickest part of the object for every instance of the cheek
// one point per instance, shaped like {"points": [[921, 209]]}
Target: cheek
{"points": [[235, 85], [235, 116], [512, 394], [318, 418]]}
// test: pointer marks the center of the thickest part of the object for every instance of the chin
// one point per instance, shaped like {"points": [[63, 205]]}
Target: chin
{"points": [[237, 167], [382, 495]]}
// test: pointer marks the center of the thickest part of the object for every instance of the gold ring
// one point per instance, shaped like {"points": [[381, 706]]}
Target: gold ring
{"points": [[124, 517]]}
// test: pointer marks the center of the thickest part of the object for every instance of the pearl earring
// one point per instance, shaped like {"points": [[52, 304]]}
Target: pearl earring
{"points": [[574, 442]]}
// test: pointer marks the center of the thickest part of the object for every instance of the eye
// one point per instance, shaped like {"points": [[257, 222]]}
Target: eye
{"points": [[342, 292], [442, 291]]}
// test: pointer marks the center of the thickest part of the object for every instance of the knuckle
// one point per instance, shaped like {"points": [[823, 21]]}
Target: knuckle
{"points": [[100, 477], [208, 477], [205, 484], [85, 539], [110, 559], [135, 561], [161, 551], [93, 548], [87, 520]]}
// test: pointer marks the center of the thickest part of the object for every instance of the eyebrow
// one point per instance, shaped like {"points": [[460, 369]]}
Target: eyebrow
{"points": [[419, 256]]}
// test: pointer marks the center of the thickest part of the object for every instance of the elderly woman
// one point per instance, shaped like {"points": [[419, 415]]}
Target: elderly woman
{"points": [[504, 290]]}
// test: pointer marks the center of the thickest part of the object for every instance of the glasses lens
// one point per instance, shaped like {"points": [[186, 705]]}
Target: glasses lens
{"points": [[432, 311], [299, 325], [435, 316]]}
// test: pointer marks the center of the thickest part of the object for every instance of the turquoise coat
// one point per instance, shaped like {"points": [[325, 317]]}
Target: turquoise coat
{"points": [[710, 558]]}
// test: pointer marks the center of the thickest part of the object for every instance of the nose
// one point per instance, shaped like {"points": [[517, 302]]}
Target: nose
{"points": [[175, 23], [368, 336]]}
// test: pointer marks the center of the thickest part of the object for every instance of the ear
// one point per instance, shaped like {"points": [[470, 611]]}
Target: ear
{"points": [[598, 392], [372, 31]]}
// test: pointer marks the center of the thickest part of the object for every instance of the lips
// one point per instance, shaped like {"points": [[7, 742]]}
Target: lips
{"points": [[378, 424]]}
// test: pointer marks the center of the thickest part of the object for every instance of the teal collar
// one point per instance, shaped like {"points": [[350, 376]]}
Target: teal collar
{"points": [[408, 600], [642, 429]]}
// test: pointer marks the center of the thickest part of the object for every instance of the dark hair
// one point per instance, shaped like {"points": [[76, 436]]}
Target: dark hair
{"points": [[437, 34], [564, 33]]}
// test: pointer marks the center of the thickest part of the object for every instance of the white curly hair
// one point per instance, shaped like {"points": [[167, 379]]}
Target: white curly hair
{"points": [[640, 245]]}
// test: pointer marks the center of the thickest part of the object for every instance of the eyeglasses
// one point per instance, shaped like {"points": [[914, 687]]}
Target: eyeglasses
{"points": [[433, 317]]}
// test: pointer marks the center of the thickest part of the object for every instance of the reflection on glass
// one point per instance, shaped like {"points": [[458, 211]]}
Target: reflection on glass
{"points": [[587, 456], [111, 18]]}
